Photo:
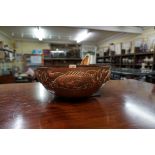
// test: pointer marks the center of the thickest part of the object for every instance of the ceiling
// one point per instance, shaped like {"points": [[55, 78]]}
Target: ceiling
{"points": [[61, 34]]}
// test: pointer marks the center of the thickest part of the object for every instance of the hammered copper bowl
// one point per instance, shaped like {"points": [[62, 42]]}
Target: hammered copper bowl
{"points": [[81, 81]]}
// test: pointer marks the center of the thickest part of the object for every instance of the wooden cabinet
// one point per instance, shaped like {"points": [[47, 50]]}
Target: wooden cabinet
{"points": [[7, 79]]}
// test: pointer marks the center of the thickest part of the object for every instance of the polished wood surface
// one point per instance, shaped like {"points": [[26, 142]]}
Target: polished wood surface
{"points": [[122, 104]]}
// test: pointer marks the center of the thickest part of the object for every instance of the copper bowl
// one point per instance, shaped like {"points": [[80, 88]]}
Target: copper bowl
{"points": [[81, 81]]}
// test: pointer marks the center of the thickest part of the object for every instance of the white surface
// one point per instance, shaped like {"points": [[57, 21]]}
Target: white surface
{"points": [[36, 59], [118, 49], [127, 45]]}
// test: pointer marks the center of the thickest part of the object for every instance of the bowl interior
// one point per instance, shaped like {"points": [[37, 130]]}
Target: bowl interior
{"points": [[81, 68]]}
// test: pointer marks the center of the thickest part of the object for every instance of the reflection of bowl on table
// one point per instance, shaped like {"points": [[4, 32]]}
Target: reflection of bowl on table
{"points": [[81, 81]]}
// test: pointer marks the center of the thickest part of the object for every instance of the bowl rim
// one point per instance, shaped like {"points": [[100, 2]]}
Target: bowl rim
{"points": [[77, 66]]}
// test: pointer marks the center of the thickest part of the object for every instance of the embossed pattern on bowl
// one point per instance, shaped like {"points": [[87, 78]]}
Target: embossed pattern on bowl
{"points": [[81, 81]]}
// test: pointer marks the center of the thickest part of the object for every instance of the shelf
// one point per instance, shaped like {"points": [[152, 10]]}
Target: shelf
{"points": [[132, 56], [4, 49], [116, 64], [31, 64], [117, 55], [147, 53], [141, 64], [102, 63], [106, 62], [99, 62], [127, 55], [62, 59], [127, 64], [106, 56], [99, 57]]}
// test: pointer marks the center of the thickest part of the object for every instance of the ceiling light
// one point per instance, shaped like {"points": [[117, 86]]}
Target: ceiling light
{"points": [[39, 33], [82, 36]]}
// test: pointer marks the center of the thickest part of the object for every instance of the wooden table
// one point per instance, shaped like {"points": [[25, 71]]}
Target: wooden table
{"points": [[122, 104]]}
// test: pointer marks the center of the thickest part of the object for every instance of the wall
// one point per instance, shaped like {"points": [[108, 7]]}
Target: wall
{"points": [[6, 40], [28, 46], [148, 33]]}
